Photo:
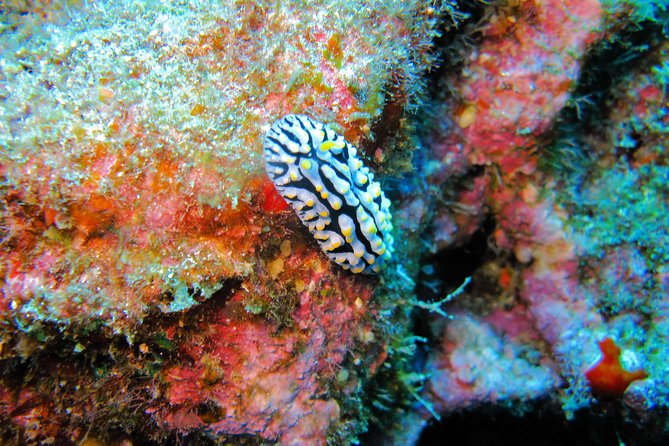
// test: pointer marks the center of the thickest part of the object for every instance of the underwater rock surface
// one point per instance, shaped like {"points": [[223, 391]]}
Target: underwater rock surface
{"points": [[156, 289]]}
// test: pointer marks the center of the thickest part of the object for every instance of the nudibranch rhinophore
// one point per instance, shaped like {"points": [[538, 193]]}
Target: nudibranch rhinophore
{"points": [[320, 175]]}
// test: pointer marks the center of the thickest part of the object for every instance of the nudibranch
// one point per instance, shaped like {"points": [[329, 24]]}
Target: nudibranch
{"points": [[320, 175]]}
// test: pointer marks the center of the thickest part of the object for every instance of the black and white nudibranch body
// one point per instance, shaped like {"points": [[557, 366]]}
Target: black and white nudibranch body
{"points": [[320, 175]]}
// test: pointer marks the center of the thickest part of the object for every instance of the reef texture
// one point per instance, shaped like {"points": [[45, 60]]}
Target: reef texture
{"points": [[153, 282], [509, 93], [577, 249], [133, 141], [156, 289]]}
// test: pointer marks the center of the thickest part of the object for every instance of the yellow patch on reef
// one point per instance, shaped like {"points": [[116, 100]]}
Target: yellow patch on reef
{"points": [[299, 285], [467, 116], [275, 267], [285, 248]]}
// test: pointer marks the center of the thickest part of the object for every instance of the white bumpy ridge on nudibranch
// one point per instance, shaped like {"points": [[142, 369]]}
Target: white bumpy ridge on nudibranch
{"points": [[320, 175]]}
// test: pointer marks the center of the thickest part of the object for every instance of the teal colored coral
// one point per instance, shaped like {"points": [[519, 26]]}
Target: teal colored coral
{"points": [[641, 10], [627, 206]]}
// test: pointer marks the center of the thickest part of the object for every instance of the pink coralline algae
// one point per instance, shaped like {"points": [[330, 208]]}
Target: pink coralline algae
{"points": [[480, 363], [242, 377], [510, 91], [564, 276]]}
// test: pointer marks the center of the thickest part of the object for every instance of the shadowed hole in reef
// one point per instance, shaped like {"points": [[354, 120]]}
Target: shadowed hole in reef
{"points": [[446, 270], [217, 298], [443, 274], [545, 424]]}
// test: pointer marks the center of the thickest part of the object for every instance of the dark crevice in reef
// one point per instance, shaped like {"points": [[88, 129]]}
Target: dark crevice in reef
{"points": [[605, 66], [446, 270], [454, 44], [385, 128], [442, 274], [543, 423], [457, 34], [217, 298]]}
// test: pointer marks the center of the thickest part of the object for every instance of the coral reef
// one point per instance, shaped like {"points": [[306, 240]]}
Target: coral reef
{"points": [[511, 90], [156, 288], [136, 198], [579, 228], [241, 376], [141, 238]]}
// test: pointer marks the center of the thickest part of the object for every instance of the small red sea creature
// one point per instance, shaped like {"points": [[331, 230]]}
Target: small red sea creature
{"points": [[608, 378]]}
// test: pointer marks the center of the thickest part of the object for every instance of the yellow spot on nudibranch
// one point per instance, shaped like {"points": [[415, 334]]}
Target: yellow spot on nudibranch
{"points": [[336, 205], [327, 145], [293, 175], [305, 164], [346, 232]]}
